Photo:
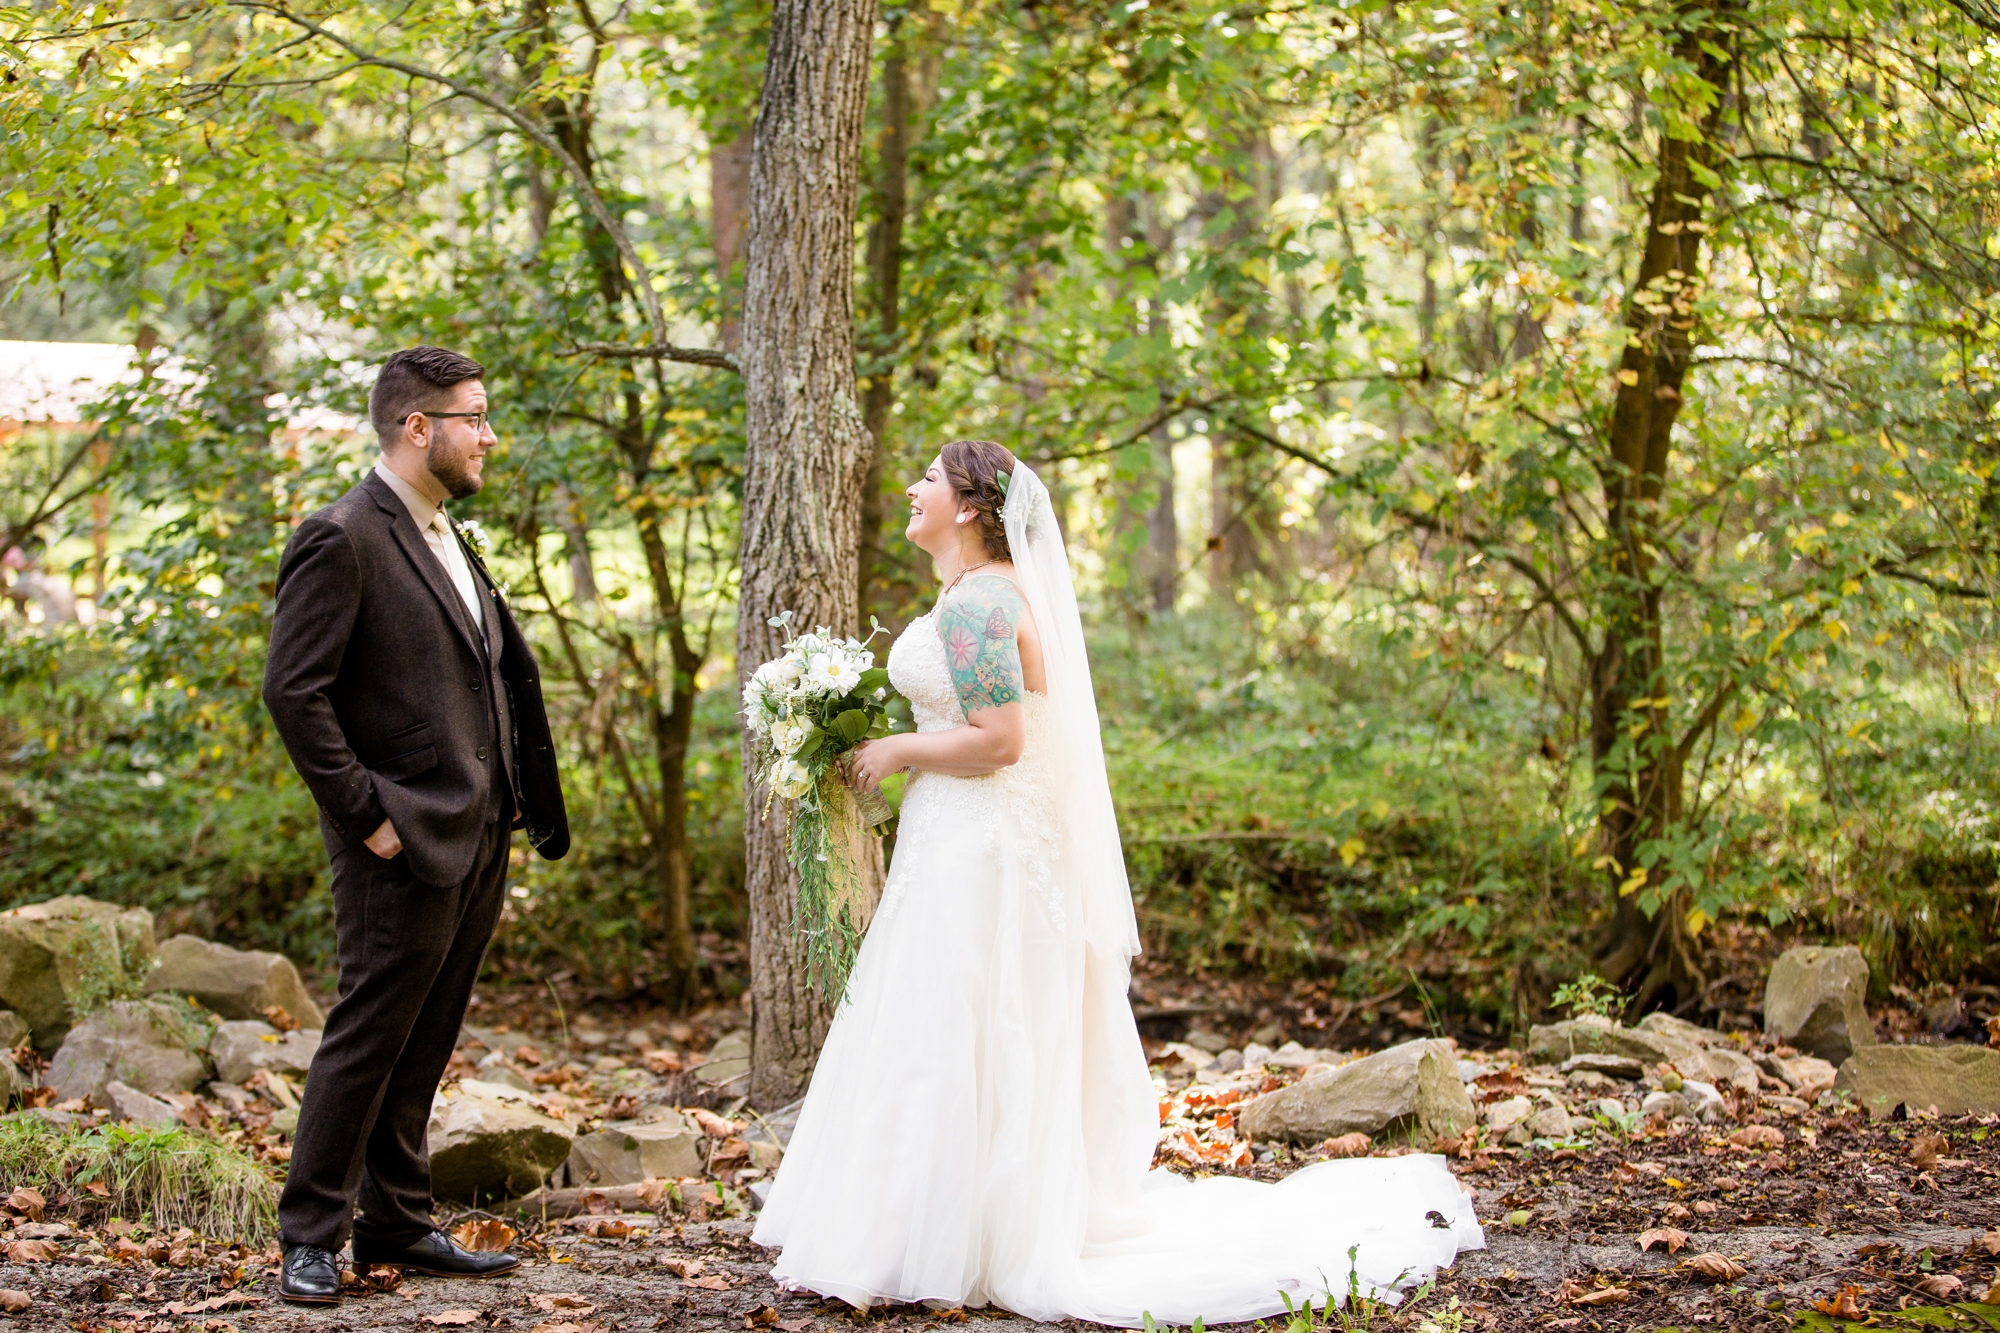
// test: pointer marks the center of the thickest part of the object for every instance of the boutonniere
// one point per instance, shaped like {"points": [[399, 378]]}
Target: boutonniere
{"points": [[474, 535]]}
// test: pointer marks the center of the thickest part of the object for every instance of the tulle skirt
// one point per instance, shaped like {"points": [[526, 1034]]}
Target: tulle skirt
{"points": [[981, 1123]]}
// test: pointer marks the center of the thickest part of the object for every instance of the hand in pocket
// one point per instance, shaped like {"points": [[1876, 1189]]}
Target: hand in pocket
{"points": [[383, 841]]}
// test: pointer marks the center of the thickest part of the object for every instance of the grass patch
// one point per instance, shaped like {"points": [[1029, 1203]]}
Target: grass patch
{"points": [[169, 1178]]}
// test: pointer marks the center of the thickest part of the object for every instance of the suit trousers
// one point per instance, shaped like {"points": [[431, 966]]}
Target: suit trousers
{"points": [[409, 955]]}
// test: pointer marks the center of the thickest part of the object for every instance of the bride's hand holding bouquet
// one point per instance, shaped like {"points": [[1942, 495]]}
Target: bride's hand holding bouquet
{"points": [[808, 709]]}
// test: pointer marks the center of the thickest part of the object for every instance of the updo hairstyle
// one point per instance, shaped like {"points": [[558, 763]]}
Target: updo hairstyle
{"points": [[974, 469]]}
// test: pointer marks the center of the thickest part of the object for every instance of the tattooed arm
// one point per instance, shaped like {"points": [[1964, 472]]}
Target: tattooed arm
{"points": [[982, 626]]}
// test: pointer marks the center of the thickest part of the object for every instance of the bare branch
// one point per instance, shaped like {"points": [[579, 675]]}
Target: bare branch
{"points": [[693, 356]]}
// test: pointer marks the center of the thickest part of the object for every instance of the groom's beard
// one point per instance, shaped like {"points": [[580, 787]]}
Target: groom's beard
{"points": [[452, 473]]}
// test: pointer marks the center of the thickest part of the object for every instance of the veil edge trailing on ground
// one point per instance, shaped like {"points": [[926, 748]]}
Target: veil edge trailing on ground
{"points": [[1083, 800]]}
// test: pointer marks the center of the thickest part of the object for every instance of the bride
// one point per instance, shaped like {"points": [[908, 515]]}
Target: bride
{"points": [[981, 1123]]}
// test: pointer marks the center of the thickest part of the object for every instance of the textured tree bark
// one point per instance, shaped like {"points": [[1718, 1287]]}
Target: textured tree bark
{"points": [[807, 450]]}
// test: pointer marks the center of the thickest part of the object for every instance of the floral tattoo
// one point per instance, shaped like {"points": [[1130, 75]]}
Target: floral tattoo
{"points": [[977, 626]]}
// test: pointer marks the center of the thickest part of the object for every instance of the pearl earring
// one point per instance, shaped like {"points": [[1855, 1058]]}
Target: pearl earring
{"points": [[963, 517]]}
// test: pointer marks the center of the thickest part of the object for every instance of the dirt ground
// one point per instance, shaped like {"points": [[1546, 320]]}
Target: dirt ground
{"points": [[1829, 1221]]}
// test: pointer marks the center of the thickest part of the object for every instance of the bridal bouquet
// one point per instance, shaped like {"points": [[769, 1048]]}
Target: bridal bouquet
{"points": [[807, 708]]}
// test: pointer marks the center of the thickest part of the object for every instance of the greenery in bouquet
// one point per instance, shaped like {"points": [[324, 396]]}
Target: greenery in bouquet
{"points": [[807, 708]]}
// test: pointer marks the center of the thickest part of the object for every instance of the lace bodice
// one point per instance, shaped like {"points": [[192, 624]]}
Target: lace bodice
{"points": [[1018, 794]]}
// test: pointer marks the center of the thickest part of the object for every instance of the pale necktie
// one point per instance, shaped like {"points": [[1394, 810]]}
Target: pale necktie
{"points": [[445, 543]]}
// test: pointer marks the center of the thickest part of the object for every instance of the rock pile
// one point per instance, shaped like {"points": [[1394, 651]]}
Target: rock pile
{"points": [[1576, 1079]]}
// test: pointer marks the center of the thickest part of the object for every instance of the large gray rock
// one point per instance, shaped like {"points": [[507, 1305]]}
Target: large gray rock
{"points": [[1816, 999], [1408, 1089], [728, 1060], [1555, 1043], [1593, 1042], [62, 958], [142, 1110], [144, 1044], [13, 1029], [240, 1048], [485, 1146], [1958, 1080], [235, 983], [629, 1152]]}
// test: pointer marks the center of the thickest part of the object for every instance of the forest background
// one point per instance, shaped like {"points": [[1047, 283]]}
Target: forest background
{"points": [[1530, 465]]}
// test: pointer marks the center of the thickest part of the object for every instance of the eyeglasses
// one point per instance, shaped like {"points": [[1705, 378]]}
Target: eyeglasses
{"points": [[478, 419]]}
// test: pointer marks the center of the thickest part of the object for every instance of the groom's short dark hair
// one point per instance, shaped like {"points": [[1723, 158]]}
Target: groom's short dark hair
{"points": [[415, 379]]}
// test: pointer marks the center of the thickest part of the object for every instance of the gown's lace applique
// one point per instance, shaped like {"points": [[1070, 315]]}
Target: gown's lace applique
{"points": [[918, 670]]}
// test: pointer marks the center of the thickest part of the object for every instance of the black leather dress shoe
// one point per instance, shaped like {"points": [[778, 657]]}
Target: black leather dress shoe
{"points": [[310, 1276], [436, 1255]]}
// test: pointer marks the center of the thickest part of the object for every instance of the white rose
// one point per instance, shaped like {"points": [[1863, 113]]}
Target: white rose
{"points": [[794, 780], [788, 733]]}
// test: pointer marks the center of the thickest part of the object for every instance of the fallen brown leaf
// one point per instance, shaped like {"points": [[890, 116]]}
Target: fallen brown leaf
{"points": [[1671, 1237], [714, 1125], [223, 1302], [713, 1282], [1758, 1136], [548, 1302], [764, 1316], [452, 1318], [27, 1200], [1988, 1243], [1924, 1153], [563, 1326], [99, 1188], [13, 1302], [1347, 1145], [794, 1325], [1673, 1212], [1577, 1293], [32, 1252], [1706, 1208], [655, 1193], [685, 1268], [486, 1235], [1844, 1304], [280, 1018], [607, 1228], [1942, 1286], [1718, 1267], [597, 1201]]}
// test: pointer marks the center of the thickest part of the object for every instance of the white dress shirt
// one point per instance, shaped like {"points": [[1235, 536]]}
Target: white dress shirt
{"points": [[431, 521]]}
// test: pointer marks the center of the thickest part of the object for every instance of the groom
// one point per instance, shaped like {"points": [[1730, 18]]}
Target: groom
{"points": [[411, 706]]}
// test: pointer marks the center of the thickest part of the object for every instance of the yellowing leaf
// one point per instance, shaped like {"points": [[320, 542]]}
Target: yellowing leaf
{"points": [[1628, 378], [1351, 850]]}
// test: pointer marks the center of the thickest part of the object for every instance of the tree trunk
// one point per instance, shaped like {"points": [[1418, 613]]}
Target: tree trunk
{"points": [[672, 727], [885, 280], [807, 451], [1634, 752], [576, 535], [1164, 523]]}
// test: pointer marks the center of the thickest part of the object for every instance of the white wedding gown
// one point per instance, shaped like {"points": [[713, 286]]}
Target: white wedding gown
{"points": [[981, 1123]]}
